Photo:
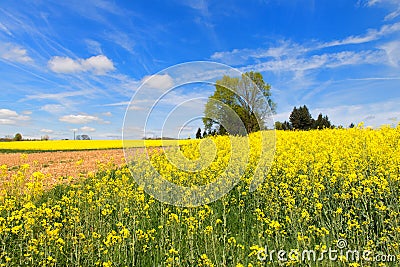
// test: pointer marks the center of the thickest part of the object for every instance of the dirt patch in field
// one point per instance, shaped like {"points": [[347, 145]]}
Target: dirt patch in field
{"points": [[60, 165]]}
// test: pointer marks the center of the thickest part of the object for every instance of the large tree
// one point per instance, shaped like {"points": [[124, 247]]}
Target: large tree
{"points": [[18, 137], [239, 105]]}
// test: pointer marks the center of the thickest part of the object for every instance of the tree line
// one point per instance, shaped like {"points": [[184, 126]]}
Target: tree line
{"points": [[301, 119], [240, 105]]}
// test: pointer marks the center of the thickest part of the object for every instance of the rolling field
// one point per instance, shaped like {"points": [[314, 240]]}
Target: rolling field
{"points": [[325, 190]]}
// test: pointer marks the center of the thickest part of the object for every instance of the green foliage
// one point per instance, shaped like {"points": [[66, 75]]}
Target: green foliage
{"points": [[239, 104], [282, 126], [18, 137]]}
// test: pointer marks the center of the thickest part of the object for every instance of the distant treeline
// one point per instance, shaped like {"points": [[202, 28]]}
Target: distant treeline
{"points": [[159, 138]]}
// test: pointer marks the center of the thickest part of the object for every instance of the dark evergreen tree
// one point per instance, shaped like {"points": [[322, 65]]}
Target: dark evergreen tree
{"points": [[322, 122], [198, 134], [300, 118], [286, 125]]}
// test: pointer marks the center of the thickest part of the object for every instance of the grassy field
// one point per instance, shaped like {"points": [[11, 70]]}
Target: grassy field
{"points": [[329, 189]]}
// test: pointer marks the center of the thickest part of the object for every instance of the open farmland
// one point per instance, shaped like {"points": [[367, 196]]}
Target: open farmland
{"points": [[324, 187], [60, 166], [76, 145]]}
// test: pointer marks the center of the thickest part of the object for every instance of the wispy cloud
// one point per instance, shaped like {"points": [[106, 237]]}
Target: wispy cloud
{"points": [[54, 108], [14, 53], [121, 38], [47, 131], [283, 48], [392, 50], [371, 35], [87, 129], [57, 96], [94, 10], [392, 5], [316, 62], [124, 103], [79, 119], [5, 29], [94, 47], [281, 56], [107, 114]]}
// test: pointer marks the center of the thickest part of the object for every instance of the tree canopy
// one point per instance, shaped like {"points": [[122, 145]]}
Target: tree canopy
{"points": [[239, 105], [18, 137]]}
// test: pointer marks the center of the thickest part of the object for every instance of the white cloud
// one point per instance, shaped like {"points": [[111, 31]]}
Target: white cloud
{"points": [[64, 65], [87, 129], [79, 119], [392, 50], [14, 53], [48, 131], [98, 65], [11, 117], [161, 82], [107, 114], [53, 108], [7, 113], [7, 122]]}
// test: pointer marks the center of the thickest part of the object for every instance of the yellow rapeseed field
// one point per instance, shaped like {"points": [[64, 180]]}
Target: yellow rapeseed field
{"points": [[61, 145], [332, 189]]}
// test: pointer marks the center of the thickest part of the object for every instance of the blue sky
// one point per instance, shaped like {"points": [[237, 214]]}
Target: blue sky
{"points": [[75, 65]]}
